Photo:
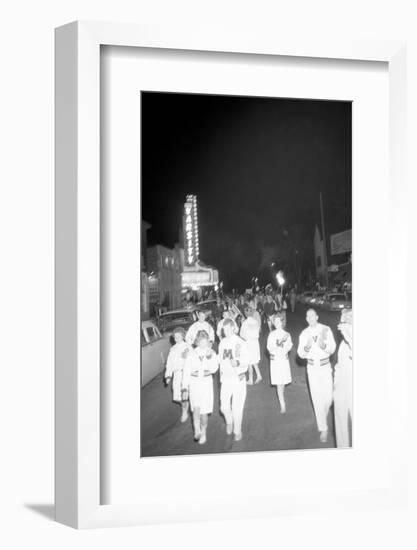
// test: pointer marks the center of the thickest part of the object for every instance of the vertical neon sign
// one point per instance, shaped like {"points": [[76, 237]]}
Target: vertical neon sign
{"points": [[190, 223]]}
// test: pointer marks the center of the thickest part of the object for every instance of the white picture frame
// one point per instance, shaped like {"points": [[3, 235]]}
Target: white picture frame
{"points": [[77, 242]]}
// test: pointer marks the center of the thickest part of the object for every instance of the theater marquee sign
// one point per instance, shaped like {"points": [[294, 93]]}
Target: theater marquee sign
{"points": [[190, 224]]}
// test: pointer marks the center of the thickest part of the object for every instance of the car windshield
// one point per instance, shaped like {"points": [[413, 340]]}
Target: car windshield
{"points": [[334, 297]]}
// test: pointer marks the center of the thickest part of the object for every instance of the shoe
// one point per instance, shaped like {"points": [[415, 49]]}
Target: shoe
{"points": [[323, 436], [258, 380], [238, 436], [283, 409], [249, 382], [203, 438], [197, 436], [229, 429], [184, 417]]}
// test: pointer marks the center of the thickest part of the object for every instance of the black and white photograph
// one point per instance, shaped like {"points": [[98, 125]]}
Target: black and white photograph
{"points": [[246, 274]]}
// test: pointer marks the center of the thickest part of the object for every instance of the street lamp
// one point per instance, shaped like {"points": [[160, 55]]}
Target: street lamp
{"points": [[280, 280]]}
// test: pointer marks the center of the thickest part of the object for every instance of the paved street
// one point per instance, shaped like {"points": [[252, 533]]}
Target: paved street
{"points": [[264, 427]]}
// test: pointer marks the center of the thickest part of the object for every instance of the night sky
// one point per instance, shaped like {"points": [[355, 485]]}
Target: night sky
{"points": [[257, 166]]}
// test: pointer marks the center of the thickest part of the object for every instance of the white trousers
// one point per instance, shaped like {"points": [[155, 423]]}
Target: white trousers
{"points": [[232, 401], [343, 404], [321, 388]]}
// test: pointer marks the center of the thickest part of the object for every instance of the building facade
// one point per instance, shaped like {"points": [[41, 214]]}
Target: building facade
{"points": [[144, 282], [164, 277], [339, 260]]}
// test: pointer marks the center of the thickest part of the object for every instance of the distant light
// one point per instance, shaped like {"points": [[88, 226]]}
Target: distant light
{"points": [[280, 278]]}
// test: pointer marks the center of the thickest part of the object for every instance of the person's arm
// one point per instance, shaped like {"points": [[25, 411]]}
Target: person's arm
{"points": [[330, 342], [304, 346], [169, 369], [219, 329], [213, 362], [270, 344], [186, 371], [241, 359], [287, 344]]}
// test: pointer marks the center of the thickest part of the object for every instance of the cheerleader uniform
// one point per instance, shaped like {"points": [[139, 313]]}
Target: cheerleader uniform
{"points": [[174, 368], [200, 365], [249, 331], [279, 343]]}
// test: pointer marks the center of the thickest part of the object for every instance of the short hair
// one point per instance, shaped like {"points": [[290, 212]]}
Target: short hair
{"points": [[201, 311], [201, 335], [282, 316], [179, 330], [230, 322], [312, 309]]}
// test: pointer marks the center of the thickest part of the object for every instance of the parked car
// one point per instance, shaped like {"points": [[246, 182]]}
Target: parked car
{"points": [[305, 297], [155, 347], [318, 298], [170, 320], [335, 301], [207, 306]]}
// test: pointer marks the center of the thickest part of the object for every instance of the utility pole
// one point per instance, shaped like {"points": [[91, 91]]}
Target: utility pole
{"points": [[323, 233]]}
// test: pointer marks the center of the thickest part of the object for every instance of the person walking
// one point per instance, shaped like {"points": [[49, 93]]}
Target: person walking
{"points": [[249, 331], [270, 307], [174, 370], [197, 381], [233, 367], [219, 331], [279, 343], [343, 381], [317, 344], [293, 298]]}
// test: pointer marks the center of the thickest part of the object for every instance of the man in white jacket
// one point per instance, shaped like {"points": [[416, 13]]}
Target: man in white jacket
{"points": [[200, 324], [343, 383], [317, 344], [233, 359]]}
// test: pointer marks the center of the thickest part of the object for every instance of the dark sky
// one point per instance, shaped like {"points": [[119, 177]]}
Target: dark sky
{"points": [[257, 166]]}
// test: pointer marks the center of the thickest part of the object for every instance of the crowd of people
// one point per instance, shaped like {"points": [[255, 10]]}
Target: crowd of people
{"points": [[230, 344]]}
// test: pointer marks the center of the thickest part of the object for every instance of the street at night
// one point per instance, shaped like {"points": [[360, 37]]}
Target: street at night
{"points": [[246, 213], [264, 427]]}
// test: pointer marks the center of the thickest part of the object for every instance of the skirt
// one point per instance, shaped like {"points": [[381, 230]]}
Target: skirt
{"points": [[176, 385], [280, 371], [201, 394], [254, 354]]}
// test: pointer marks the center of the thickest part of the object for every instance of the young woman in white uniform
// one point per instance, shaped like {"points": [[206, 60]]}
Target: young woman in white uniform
{"points": [[200, 365], [174, 369], [249, 331], [279, 343]]}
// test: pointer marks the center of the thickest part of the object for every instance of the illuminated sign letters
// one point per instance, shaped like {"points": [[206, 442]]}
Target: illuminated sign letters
{"points": [[190, 224]]}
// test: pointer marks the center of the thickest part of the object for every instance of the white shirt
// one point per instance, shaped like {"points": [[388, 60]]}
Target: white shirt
{"points": [[279, 344], [250, 329], [199, 363], [232, 348], [176, 358], [311, 341]]}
